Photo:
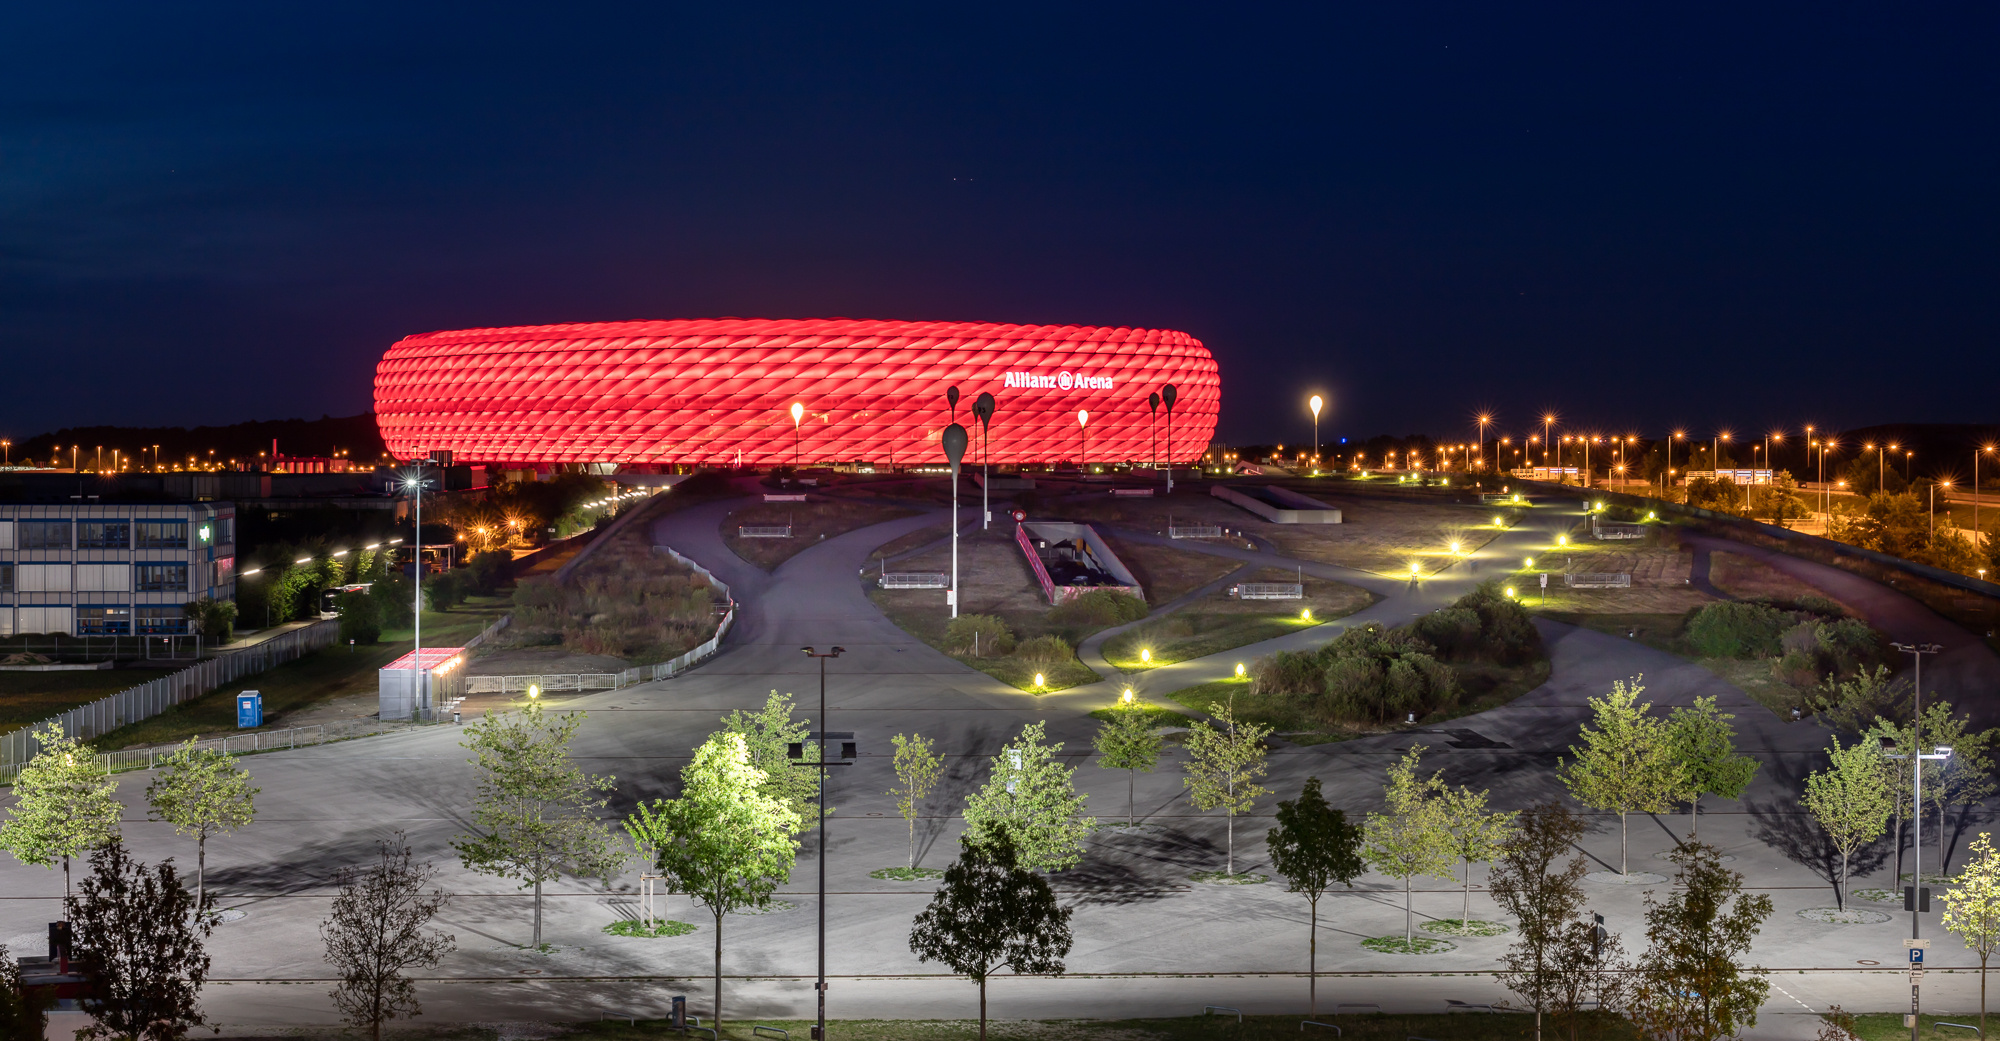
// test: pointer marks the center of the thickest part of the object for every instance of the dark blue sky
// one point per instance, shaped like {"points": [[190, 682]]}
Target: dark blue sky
{"points": [[1678, 213]]}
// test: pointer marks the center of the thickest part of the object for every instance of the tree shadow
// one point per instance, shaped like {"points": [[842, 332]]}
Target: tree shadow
{"points": [[1102, 882], [1787, 828]]}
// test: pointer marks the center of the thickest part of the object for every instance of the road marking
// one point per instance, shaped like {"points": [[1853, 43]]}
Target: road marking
{"points": [[1794, 997]]}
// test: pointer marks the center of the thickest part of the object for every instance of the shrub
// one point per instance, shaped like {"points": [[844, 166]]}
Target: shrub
{"points": [[487, 572], [212, 618], [1046, 651], [1453, 630], [994, 638], [392, 601], [1737, 630], [1365, 674], [360, 618], [1287, 672], [1099, 607], [444, 592], [1481, 625]]}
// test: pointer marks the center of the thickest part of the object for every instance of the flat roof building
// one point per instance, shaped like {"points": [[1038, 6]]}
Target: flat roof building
{"points": [[112, 568]]}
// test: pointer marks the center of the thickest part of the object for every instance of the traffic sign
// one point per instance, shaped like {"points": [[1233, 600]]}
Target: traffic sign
{"points": [[1908, 942], [1917, 958]]}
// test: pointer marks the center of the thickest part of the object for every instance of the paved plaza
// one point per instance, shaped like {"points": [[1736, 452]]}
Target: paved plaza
{"points": [[1148, 940]]}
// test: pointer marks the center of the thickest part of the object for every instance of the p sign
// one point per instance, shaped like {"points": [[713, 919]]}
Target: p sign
{"points": [[1916, 957]]}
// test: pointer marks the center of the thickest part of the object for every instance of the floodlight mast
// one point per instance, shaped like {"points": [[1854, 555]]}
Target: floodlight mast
{"points": [[798, 756]]}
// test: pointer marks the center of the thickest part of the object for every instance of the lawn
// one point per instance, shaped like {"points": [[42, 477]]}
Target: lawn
{"points": [[1754, 676], [30, 697], [1482, 686], [1218, 622], [1596, 1026], [1888, 1026], [812, 522], [308, 683]]}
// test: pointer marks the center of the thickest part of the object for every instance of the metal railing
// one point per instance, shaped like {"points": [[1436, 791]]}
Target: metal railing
{"points": [[240, 744], [85, 649], [1598, 580], [913, 580], [764, 531], [1194, 531], [149, 699], [1270, 591], [543, 681]]}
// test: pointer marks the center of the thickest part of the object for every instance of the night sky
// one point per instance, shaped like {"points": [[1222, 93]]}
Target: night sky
{"points": [[1635, 215]]}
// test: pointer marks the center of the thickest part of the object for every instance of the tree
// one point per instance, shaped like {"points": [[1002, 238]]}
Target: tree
{"points": [[202, 793], [768, 733], [1972, 909], [1031, 798], [724, 842], [1127, 741], [1223, 766], [1691, 981], [536, 811], [992, 912], [1587, 965], [23, 1016], [1627, 761], [1543, 898], [376, 930], [1704, 744], [65, 805], [1966, 779], [360, 618], [918, 767], [1851, 799], [139, 935], [1473, 833], [1411, 838], [1313, 847]]}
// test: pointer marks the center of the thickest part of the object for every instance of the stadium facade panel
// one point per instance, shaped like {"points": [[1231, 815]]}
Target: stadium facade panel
{"points": [[720, 391]]}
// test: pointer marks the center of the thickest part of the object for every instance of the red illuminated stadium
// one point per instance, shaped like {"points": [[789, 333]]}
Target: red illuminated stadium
{"points": [[720, 392]]}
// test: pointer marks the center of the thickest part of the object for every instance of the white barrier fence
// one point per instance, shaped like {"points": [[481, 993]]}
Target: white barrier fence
{"points": [[1194, 531], [913, 580], [764, 531], [1269, 591], [149, 699], [547, 681], [241, 744], [1598, 580]]}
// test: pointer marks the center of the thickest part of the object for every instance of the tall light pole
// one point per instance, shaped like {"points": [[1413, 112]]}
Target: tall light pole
{"points": [[1152, 443], [1083, 441], [798, 413], [1480, 442], [415, 484], [1315, 404], [1947, 503], [983, 407], [954, 450], [1914, 896], [1983, 449], [797, 754], [1168, 394]]}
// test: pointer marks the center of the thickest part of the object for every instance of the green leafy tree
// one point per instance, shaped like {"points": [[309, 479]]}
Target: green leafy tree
{"points": [[767, 734], [1032, 799], [725, 841], [202, 793], [24, 1016], [1412, 837], [918, 768], [1691, 982], [377, 930], [1853, 705], [990, 913], [1313, 847], [360, 618], [535, 814], [1627, 761], [142, 936], [1544, 895], [1222, 769], [1964, 780], [1851, 799], [1128, 741], [1972, 909], [1704, 744], [1474, 833], [65, 805]]}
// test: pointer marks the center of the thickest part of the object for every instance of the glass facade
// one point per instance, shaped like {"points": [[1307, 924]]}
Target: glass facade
{"points": [[163, 534], [103, 621], [160, 578], [103, 534], [161, 620], [41, 534]]}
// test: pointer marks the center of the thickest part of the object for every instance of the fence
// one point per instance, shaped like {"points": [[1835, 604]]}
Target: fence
{"points": [[1269, 591], [764, 531], [1607, 532], [106, 648], [1598, 580], [1194, 531], [240, 744], [547, 681], [149, 699], [913, 580]]}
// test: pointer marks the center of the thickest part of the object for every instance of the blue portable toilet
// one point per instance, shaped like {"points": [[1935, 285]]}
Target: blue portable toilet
{"points": [[249, 710]]}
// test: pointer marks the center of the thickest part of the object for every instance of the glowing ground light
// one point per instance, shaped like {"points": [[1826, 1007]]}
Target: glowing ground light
{"points": [[1038, 680], [1562, 540], [534, 692], [1415, 568], [1239, 670], [1455, 547], [1145, 656], [1510, 592], [1496, 520], [1128, 696], [1306, 615], [1528, 561], [1650, 515]]}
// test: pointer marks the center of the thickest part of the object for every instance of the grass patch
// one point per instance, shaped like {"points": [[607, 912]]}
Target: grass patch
{"points": [[1461, 927], [310, 681], [812, 523], [1157, 715], [30, 697], [1035, 652], [1664, 632], [1413, 945], [1888, 1026], [635, 928], [1482, 685], [1217, 622], [1224, 878], [904, 874], [1592, 1026], [625, 601]]}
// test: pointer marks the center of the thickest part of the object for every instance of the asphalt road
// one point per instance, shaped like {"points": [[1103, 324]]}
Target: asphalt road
{"points": [[1141, 924]]}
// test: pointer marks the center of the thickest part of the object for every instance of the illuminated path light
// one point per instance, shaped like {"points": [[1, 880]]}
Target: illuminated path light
{"points": [[703, 391]]}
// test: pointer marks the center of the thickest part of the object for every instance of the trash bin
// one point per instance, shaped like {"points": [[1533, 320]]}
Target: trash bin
{"points": [[249, 710]]}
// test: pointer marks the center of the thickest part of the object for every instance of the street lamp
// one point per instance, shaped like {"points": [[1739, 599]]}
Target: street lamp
{"points": [[983, 408], [1915, 896], [1315, 404], [1947, 503], [954, 440], [1548, 420], [1481, 442], [798, 413], [1983, 449], [1168, 395], [414, 484], [1083, 441], [796, 751]]}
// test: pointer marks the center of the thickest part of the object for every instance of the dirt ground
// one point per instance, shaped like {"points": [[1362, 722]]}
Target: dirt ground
{"points": [[1744, 577], [527, 661], [812, 521], [1169, 574], [993, 578], [1658, 565], [1376, 534], [1219, 622]]}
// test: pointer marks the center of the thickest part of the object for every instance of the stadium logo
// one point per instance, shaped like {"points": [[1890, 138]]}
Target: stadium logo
{"points": [[1064, 380]]}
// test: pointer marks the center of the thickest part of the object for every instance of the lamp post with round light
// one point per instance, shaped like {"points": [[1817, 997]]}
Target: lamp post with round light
{"points": [[983, 408], [798, 413], [1083, 441], [1983, 449], [1168, 395], [954, 440], [1314, 403]]}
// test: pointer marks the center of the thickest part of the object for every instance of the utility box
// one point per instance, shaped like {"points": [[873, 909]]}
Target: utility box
{"points": [[249, 710]]}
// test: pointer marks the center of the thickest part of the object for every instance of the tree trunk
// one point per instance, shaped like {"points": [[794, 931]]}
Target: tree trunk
{"points": [[1899, 844], [1232, 844], [1842, 893], [538, 912], [913, 843], [1312, 962], [1943, 870], [200, 870], [1409, 917], [1465, 909], [1982, 994], [718, 975], [1694, 823], [1621, 843], [982, 1008], [1131, 796]]}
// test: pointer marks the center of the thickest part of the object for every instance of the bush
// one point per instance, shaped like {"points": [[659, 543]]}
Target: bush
{"points": [[1046, 651], [213, 619], [1366, 674], [994, 638], [1482, 625], [487, 572], [1737, 630], [392, 601], [360, 618], [1099, 607], [444, 592], [1288, 673]]}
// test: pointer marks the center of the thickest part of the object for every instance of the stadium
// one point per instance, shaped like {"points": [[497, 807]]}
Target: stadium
{"points": [[721, 391]]}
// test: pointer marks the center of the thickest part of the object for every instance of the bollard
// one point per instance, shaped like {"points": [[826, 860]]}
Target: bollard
{"points": [[455, 720]]}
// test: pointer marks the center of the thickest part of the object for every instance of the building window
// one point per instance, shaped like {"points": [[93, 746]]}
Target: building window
{"points": [[227, 527], [42, 534], [103, 534], [163, 534], [103, 621], [161, 620], [160, 578], [6, 578]]}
